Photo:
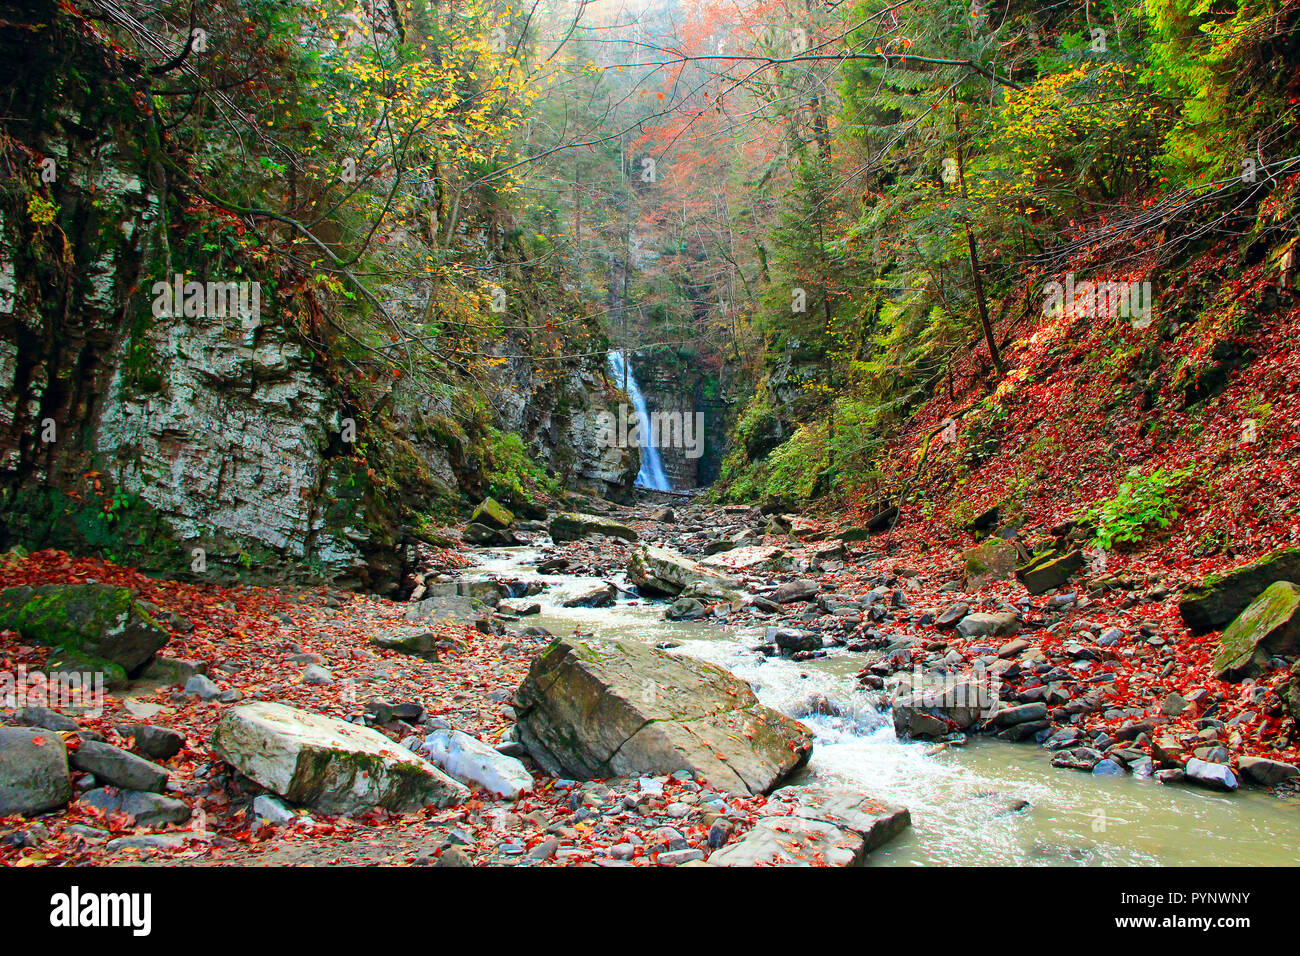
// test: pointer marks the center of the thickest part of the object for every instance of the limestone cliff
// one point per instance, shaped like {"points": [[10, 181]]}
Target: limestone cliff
{"points": [[209, 444], [679, 385]]}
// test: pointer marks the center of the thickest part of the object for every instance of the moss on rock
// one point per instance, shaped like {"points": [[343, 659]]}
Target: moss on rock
{"points": [[1268, 627], [94, 620]]}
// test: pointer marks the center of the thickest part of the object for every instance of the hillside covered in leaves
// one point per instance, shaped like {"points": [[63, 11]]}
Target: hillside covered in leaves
{"points": [[1036, 257]]}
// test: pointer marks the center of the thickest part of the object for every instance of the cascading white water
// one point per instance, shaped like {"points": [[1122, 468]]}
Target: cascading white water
{"points": [[652, 474], [965, 802]]}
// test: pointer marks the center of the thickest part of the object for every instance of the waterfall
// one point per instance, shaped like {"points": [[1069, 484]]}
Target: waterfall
{"points": [[652, 474]]}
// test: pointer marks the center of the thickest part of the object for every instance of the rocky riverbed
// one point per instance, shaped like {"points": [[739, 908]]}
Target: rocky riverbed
{"points": [[1120, 668], [483, 737]]}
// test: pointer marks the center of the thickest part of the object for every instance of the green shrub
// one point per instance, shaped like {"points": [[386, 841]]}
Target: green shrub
{"points": [[790, 471], [508, 472], [758, 431], [1142, 504]]}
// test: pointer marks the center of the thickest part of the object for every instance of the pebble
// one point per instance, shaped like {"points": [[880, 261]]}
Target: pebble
{"points": [[201, 687], [453, 856], [315, 674], [272, 810], [678, 857], [544, 850], [669, 837], [720, 832]]}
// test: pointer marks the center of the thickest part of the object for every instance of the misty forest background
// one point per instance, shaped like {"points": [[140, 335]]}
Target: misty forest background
{"points": [[828, 224]]}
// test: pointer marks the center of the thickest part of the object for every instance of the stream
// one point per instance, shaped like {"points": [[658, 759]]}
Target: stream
{"points": [[963, 799]]}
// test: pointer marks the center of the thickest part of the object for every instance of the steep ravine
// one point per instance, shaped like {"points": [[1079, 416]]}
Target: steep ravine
{"points": [[201, 444]]}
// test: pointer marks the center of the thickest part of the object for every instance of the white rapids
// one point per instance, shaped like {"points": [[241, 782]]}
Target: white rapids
{"points": [[963, 799]]}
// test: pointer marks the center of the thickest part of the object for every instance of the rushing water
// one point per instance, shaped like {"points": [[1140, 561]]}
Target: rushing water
{"points": [[652, 474], [961, 799]]}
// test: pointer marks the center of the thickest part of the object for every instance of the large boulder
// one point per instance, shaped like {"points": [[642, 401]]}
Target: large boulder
{"points": [[470, 760], [95, 621], [806, 826], [710, 591], [793, 639], [1222, 597], [1215, 776], [487, 536], [800, 589], [596, 709], [156, 743], [719, 546], [793, 841], [574, 526], [44, 717], [145, 809], [173, 671], [1266, 772], [942, 708], [67, 666], [951, 617], [462, 610], [416, 641], [875, 821], [330, 765], [991, 561], [807, 529], [1270, 626], [687, 609], [995, 624], [660, 571], [33, 771], [1048, 570], [601, 596], [492, 513], [119, 768], [486, 590], [749, 558]]}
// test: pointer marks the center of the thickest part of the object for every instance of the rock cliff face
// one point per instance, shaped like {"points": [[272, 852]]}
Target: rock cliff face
{"points": [[234, 444], [676, 385], [134, 430], [559, 417], [210, 444]]}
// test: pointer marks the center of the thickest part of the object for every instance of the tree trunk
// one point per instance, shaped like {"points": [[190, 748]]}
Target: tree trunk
{"points": [[980, 301]]}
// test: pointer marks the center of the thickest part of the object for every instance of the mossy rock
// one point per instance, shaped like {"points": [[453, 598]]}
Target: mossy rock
{"points": [[492, 513], [1049, 570], [328, 764], [661, 571], [97, 621], [529, 508], [86, 668], [34, 774], [573, 526], [487, 536], [991, 561], [1268, 627], [1222, 597]]}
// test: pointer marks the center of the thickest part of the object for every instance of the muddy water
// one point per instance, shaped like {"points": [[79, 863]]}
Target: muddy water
{"points": [[963, 800]]}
